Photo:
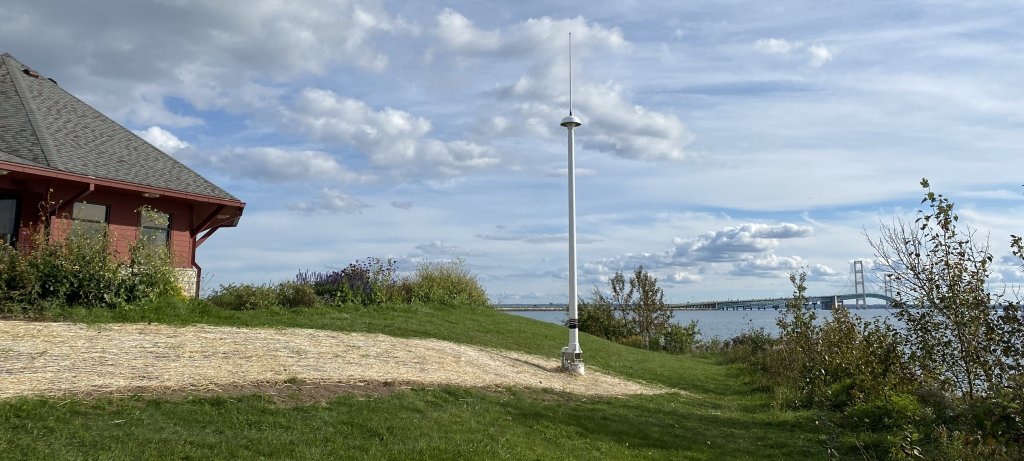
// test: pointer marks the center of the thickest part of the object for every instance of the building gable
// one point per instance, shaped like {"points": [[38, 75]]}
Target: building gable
{"points": [[43, 125]]}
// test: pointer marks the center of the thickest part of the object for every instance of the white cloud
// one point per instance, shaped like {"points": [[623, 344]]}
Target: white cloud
{"points": [[736, 243], [402, 204], [225, 54], [616, 124], [744, 250], [686, 277], [271, 164], [162, 139], [768, 265], [630, 130], [456, 31], [775, 46], [392, 139], [330, 201], [819, 55], [543, 35]]}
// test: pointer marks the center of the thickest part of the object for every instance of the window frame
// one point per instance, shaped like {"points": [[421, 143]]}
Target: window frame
{"points": [[4, 195], [77, 230], [143, 227]]}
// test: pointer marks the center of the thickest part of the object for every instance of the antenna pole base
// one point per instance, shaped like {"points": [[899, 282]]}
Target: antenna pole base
{"points": [[572, 361]]}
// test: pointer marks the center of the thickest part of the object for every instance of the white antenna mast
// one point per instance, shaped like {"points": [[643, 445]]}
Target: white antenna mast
{"points": [[570, 73], [572, 356]]}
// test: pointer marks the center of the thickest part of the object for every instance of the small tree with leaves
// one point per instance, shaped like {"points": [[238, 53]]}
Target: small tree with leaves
{"points": [[645, 305], [940, 269]]}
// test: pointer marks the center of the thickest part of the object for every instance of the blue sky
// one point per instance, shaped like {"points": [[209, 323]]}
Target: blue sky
{"points": [[724, 144]]}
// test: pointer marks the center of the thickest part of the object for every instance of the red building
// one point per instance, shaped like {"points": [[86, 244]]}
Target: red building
{"points": [[65, 162]]}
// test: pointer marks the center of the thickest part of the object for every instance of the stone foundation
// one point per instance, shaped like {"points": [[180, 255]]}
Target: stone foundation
{"points": [[187, 281]]}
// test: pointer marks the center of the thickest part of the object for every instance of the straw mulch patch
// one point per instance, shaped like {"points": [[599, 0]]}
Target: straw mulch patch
{"points": [[130, 359]]}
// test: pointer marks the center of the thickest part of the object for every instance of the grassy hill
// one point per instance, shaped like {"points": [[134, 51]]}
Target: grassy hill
{"points": [[722, 415]]}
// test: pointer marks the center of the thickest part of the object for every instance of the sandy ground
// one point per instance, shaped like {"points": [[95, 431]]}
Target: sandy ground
{"points": [[76, 359]]}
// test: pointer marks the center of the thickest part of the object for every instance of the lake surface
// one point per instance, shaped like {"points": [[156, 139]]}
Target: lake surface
{"points": [[722, 324]]}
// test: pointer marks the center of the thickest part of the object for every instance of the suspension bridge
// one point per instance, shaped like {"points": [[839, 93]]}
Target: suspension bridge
{"points": [[842, 297]]}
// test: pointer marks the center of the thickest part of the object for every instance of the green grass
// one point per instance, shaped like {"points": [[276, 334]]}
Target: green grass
{"points": [[723, 417]]}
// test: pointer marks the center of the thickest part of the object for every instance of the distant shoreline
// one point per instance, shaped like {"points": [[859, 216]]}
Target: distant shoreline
{"points": [[563, 307]]}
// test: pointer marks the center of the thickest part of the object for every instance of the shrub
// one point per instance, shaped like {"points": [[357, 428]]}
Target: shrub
{"points": [[17, 282], [748, 346], [82, 271], [294, 294], [841, 362], [365, 282], [893, 412], [678, 339], [448, 282], [149, 273], [244, 297]]}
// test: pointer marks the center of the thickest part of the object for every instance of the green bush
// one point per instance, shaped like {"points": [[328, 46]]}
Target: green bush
{"points": [[678, 339], [294, 294], [18, 284], [747, 346], [885, 414], [446, 283], [244, 297], [82, 271]]}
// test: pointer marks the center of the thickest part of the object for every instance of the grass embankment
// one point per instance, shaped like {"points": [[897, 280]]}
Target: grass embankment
{"points": [[722, 417]]}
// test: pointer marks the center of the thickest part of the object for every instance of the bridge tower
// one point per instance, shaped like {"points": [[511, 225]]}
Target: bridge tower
{"points": [[888, 284], [858, 284]]}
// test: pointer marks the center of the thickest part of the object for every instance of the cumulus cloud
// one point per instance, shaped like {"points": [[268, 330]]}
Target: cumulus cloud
{"points": [[630, 130], [226, 54], [768, 265], [686, 277], [402, 204], [817, 54], [744, 250], [736, 243], [529, 37], [330, 201], [619, 126], [271, 164], [390, 138], [162, 139]]}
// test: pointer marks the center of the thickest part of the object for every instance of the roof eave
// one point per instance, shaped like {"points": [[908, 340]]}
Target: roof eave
{"points": [[122, 185]]}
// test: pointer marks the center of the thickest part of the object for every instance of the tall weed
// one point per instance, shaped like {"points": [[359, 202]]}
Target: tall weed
{"points": [[446, 283]]}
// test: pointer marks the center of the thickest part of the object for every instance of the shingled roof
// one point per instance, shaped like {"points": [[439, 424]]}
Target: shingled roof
{"points": [[42, 125]]}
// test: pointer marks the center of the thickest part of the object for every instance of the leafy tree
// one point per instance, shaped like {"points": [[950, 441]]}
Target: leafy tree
{"points": [[940, 270], [635, 314], [644, 303], [600, 317]]}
